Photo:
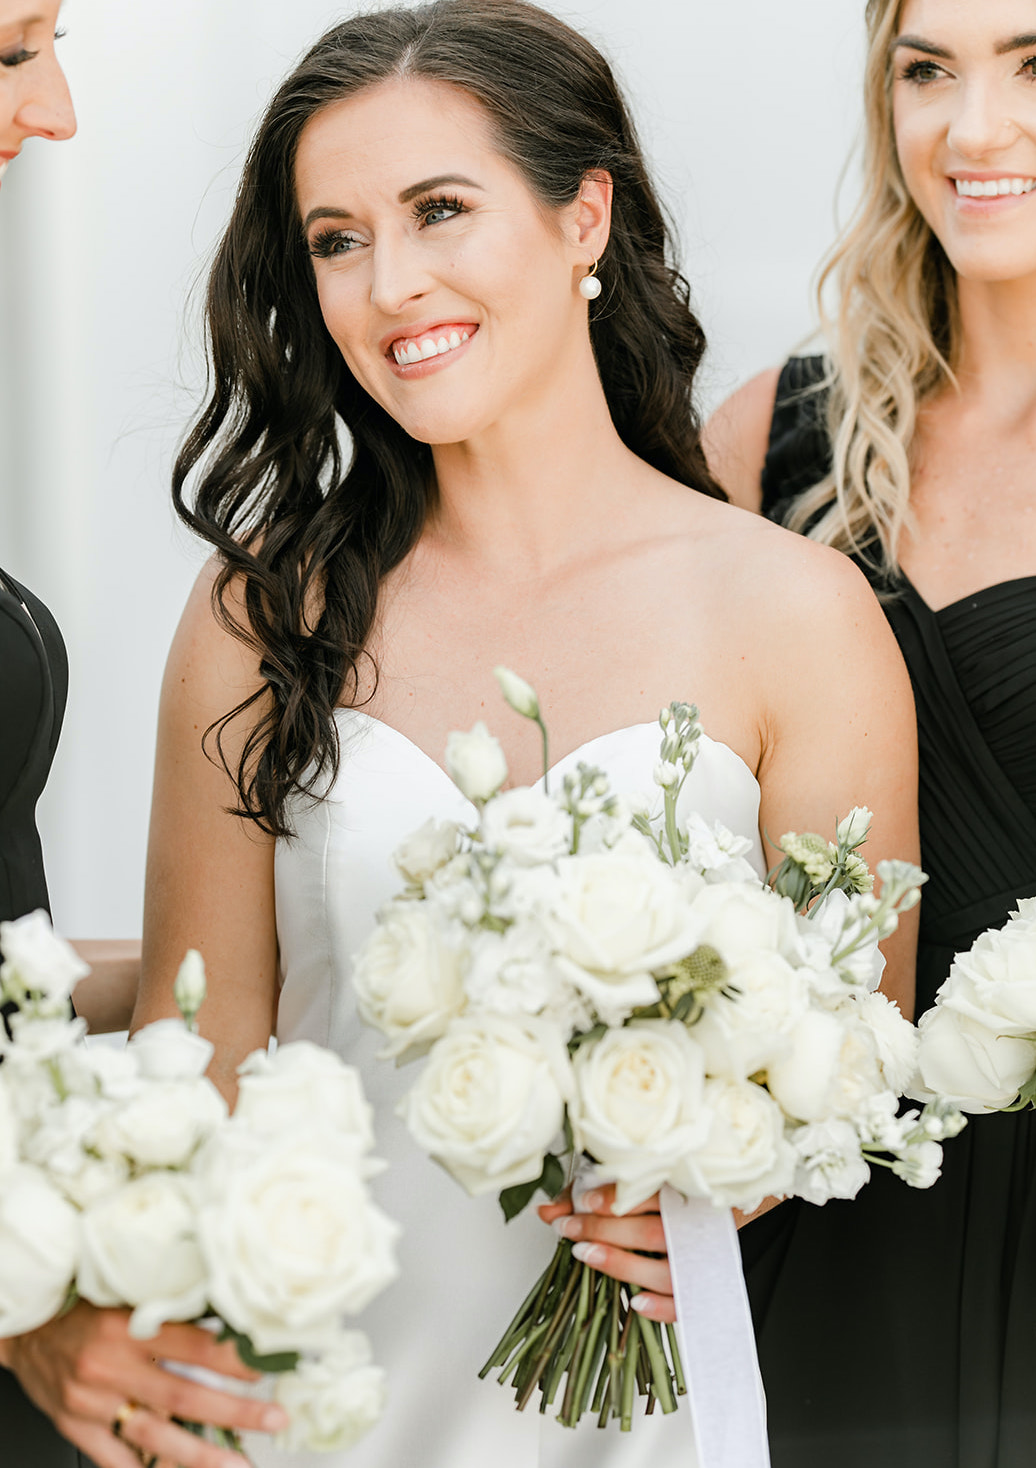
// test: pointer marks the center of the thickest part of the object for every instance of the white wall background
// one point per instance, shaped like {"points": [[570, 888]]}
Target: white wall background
{"points": [[747, 109]]}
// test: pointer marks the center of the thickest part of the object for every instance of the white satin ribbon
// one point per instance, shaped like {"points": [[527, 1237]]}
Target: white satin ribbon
{"points": [[717, 1342]]}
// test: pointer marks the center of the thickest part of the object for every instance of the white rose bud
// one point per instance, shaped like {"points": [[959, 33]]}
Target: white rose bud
{"points": [[333, 1400], [476, 762], [189, 985], [519, 694], [853, 831]]}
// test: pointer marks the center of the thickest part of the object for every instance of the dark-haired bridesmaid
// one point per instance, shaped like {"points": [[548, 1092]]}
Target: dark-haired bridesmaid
{"points": [[901, 1330]]}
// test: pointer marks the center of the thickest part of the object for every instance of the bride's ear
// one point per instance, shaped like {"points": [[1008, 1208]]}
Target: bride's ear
{"points": [[591, 214]]}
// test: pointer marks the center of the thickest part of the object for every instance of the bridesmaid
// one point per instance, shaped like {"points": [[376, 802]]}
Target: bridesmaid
{"points": [[902, 1329], [116, 1375]]}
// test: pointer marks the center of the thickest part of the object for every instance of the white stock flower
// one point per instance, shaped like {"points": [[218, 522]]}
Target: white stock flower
{"points": [[896, 1038], [639, 1107], [39, 1246], [167, 1051], [830, 1068], [514, 973], [290, 1236], [745, 1032], [58, 1143], [879, 1124], [717, 852], [409, 977], [745, 1156], [162, 1125], [519, 694], [332, 1400], [476, 762], [34, 954], [615, 916], [920, 1165], [830, 1164], [298, 1084], [527, 826], [490, 1100], [970, 1064], [140, 1248], [837, 923], [427, 849]]}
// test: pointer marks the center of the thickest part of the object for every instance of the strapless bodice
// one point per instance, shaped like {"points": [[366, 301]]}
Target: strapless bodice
{"points": [[463, 1272]]}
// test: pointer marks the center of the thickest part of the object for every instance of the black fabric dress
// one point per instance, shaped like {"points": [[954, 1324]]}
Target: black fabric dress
{"points": [[33, 686], [899, 1329]]}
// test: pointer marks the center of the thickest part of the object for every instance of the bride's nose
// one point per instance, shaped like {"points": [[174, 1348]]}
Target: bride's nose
{"points": [[399, 273]]}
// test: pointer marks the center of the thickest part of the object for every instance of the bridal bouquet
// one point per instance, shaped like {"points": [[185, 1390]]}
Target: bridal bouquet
{"points": [[978, 1043], [593, 978], [123, 1181]]}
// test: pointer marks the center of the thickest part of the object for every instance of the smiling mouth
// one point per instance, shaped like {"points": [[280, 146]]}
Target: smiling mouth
{"points": [[993, 188], [409, 349]]}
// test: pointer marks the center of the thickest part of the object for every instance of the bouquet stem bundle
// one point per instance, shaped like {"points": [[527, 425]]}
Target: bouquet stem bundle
{"points": [[577, 1327]]}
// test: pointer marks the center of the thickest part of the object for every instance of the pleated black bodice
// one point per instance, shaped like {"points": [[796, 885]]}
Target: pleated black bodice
{"points": [[900, 1328]]}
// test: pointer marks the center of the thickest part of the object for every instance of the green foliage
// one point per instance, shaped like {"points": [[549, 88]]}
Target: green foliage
{"points": [[551, 1180]]}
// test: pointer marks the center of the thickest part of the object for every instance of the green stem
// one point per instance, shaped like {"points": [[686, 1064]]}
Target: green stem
{"points": [[661, 1377], [546, 756], [677, 1360]]}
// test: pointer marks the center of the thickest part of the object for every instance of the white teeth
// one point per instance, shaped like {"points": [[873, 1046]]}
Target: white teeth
{"points": [[992, 188], [427, 347]]}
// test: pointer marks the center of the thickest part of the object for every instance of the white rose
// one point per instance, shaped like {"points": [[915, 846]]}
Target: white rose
{"points": [[430, 847], [140, 1248], [99, 1071], [830, 1164], [9, 1129], [740, 921], [614, 917], [38, 959], [476, 762], [527, 826], [491, 1100], [332, 1400], [971, 1065], [290, 1236], [994, 983], [301, 1083], [409, 977], [743, 1033], [162, 1125], [896, 1038], [829, 1069], [39, 1246], [639, 1107], [745, 1156], [514, 973], [168, 1051]]}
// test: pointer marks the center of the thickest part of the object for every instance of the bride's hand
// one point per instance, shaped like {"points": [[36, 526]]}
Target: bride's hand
{"points": [[620, 1246], [86, 1371]]}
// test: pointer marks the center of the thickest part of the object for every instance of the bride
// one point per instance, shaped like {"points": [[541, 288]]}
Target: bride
{"points": [[446, 244]]}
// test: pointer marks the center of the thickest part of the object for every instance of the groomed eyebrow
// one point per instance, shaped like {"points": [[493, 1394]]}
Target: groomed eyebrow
{"points": [[929, 48], [414, 191]]}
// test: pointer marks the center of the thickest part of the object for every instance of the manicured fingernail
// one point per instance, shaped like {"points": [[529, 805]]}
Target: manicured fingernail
{"points": [[274, 1419], [588, 1253], [590, 1202], [643, 1304], [568, 1227]]}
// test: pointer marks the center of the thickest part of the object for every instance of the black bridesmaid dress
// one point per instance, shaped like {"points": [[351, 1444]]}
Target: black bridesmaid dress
{"points": [[900, 1329], [33, 686]]}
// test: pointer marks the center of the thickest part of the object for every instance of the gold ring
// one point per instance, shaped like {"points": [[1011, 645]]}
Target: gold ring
{"points": [[122, 1416]]}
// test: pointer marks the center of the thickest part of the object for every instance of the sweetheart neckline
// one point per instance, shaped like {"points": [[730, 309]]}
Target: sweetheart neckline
{"points": [[579, 749]]}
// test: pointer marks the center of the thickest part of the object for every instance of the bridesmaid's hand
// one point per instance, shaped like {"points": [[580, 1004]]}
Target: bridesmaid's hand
{"points": [[85, 1369], [631, 1247]]}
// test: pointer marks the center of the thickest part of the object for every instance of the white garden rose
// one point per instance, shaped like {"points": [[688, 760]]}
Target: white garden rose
{"points": [[290, 1235], [615, 916], [102, 1072], [168, 1051], [740, 921], [639, 1106], [745, 1156], [830, 1164], [829, 1069], [39, 1245], [162, 1125], [994, 983], [896, 1038], [140, 1248], [430, 847], [9, 1129], [744, 1030], [490, 1101], [298, 1083], [970, 1064], [409, 977], [527, 826], [332, 1400], [37, 959], [476, 762]]}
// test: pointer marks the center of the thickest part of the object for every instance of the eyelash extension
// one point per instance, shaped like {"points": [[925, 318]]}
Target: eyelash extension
{"points": [[322, 244], [424, 207], [18, 58]]}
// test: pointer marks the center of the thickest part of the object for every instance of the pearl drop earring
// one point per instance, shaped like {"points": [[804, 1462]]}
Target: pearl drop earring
{"points": [[590, 286]]}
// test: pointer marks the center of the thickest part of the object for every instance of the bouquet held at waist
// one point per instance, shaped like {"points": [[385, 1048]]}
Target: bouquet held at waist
{"points": [[124, 1182], [597, 980]]}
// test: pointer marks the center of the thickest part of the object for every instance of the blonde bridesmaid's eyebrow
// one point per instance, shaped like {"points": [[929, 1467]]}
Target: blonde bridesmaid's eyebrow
{"points": [[1023, 42]]}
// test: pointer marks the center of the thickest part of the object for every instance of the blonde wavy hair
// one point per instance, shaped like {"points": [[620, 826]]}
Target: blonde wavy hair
{"points": [[892, 342]]}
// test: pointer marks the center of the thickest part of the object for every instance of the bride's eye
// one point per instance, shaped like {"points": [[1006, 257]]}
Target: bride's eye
{"points": [[332, 242], [437, 211]]}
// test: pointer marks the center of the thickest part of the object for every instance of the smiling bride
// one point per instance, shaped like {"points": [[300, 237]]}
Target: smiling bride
{"points": [[451, 425]]}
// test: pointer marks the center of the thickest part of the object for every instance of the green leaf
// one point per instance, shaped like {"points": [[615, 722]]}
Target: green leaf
{"points": [[271, 1365], [584, 1039], [551, 1180]]}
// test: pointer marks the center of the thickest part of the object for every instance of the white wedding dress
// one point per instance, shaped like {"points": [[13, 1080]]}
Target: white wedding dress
{"points": [[463, 1270]]}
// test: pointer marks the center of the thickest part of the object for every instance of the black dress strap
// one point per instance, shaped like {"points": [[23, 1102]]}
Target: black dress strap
{"points": [[799, 453]]}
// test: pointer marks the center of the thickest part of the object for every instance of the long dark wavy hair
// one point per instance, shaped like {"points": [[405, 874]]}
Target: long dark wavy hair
{"points": [[296, 527]]}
